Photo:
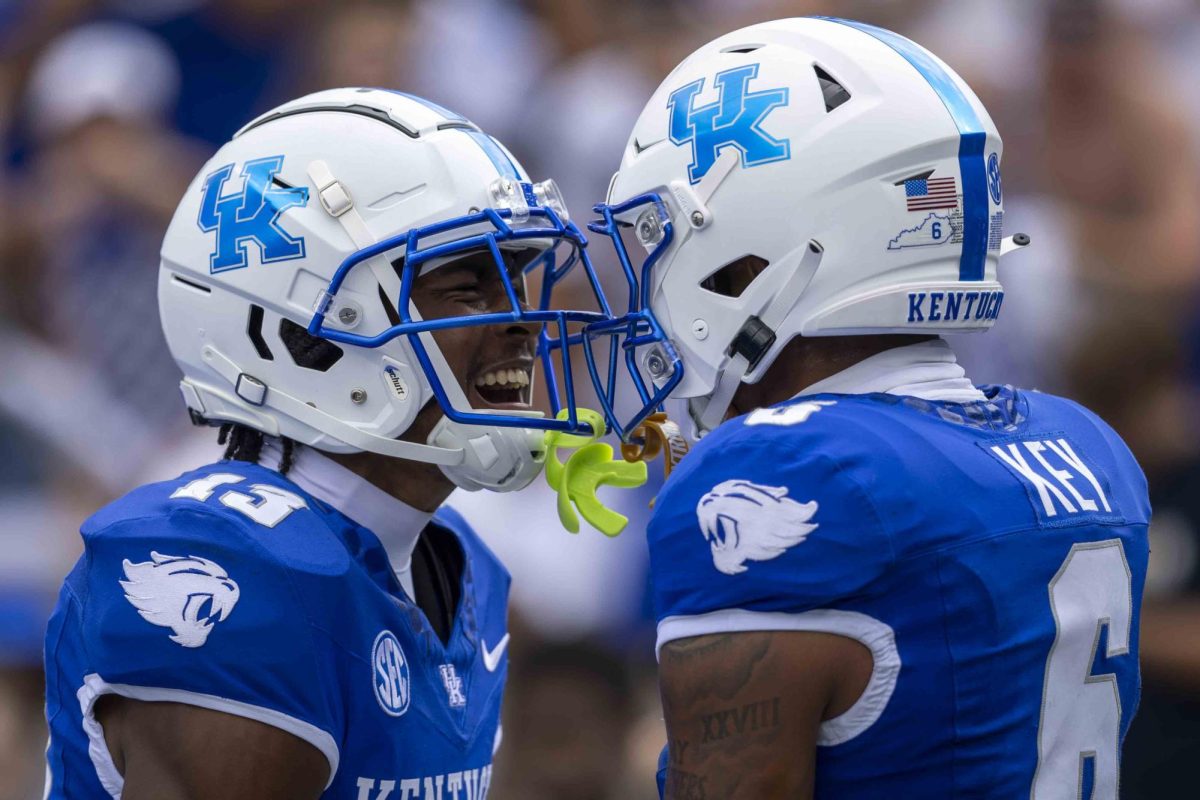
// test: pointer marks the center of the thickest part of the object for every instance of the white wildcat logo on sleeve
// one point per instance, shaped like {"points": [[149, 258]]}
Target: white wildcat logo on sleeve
{"points": [[187, 594], [744, 521]]}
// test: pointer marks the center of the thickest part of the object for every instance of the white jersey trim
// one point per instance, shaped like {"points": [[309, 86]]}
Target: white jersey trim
{"points": [[877, 636], [49, 774], [94, 687]]}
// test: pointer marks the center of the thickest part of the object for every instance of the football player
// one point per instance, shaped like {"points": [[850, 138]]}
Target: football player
{"points": [[343, 286], [872, 578]]}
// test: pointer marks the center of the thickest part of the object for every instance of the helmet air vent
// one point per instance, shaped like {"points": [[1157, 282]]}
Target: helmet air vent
{"points": [[734, 278], [361, 110], [306, 350], [742, 48], [195, 287], [254, 331], [835, 94]]}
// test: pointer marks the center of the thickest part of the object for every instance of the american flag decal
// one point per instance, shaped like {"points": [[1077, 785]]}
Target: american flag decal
{"points": [[923, 194]]}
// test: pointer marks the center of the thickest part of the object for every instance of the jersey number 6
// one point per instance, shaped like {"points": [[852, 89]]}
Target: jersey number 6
{"points": [[1081, 712]]}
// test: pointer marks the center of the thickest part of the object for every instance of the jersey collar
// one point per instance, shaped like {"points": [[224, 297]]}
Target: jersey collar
{"points": [[395, 523], [927, 370]]}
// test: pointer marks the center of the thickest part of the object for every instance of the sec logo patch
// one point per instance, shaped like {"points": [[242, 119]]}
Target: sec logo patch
{"points": [[390, 674]]}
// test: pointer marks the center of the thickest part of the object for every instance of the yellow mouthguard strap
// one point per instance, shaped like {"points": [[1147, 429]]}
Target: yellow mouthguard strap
{"points": [[591, 466]]}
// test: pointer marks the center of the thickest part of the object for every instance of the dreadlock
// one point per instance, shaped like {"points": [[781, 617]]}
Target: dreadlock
{"points": [[245, 444]]}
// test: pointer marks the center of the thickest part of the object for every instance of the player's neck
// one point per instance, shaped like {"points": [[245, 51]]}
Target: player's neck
{"points": [[422, 486], [805, 361]]}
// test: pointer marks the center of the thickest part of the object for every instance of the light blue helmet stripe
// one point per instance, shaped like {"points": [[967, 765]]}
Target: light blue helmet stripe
{"points": [[973, 138], [499, 158], [495, 153]]}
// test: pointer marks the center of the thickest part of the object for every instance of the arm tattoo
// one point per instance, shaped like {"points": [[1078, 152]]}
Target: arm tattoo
{"points": [[749, 718], [685, 785], [735, 730], [739, 653]]}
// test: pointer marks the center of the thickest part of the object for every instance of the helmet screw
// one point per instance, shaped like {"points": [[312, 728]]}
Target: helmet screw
{"points": [[656, 365], [347, 315], [358, 396], [700, 329], [697, 218], [649, 228]]}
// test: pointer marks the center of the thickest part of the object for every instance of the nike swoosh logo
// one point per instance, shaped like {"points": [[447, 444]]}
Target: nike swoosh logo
{"points": [[491, 658]]}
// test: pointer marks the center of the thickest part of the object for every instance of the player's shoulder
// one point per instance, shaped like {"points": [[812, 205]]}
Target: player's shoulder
{"points": [[220, 583], [772, 511], [244, 511], [1055, 410], [814, 419], [813, 438], [782, 463], [1102, 443]]}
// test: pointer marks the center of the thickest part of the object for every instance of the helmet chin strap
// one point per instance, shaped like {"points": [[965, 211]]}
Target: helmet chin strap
{"points": [[252, 391], [753, 342], [472, 456]]}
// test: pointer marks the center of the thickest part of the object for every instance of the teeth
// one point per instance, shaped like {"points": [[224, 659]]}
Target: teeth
{"points": [[504, 377]]}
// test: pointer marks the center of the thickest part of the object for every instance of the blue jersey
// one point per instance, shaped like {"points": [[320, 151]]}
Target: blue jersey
{"points": [[991, 556], [232, 589]]}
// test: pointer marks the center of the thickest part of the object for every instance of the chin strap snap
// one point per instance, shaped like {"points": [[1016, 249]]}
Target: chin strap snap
{"points": [[655, 435], [587, 469]]}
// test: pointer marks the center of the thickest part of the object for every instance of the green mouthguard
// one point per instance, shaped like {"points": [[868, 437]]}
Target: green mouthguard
{"points": [[591, 466]]}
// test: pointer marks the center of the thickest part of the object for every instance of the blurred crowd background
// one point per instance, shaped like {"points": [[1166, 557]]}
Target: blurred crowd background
{"points": [[108, 108]]}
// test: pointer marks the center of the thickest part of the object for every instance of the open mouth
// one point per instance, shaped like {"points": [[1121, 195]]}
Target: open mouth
{"points": [[505, 386]]}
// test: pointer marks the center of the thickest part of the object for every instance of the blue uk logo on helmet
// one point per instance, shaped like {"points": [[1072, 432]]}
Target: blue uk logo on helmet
{"points": [[251, 215], [733, 120]]}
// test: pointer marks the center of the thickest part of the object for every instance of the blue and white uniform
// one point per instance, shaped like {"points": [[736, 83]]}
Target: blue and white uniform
{"points": [[987, 545], [237, 589]]}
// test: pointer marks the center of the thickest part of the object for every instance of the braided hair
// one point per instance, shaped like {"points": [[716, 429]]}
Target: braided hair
{"points": [[246, 444], [243, 443]]}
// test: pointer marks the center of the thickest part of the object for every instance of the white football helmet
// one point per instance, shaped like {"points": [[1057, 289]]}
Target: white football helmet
{"points": [[287, 272], [857, 171]]}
